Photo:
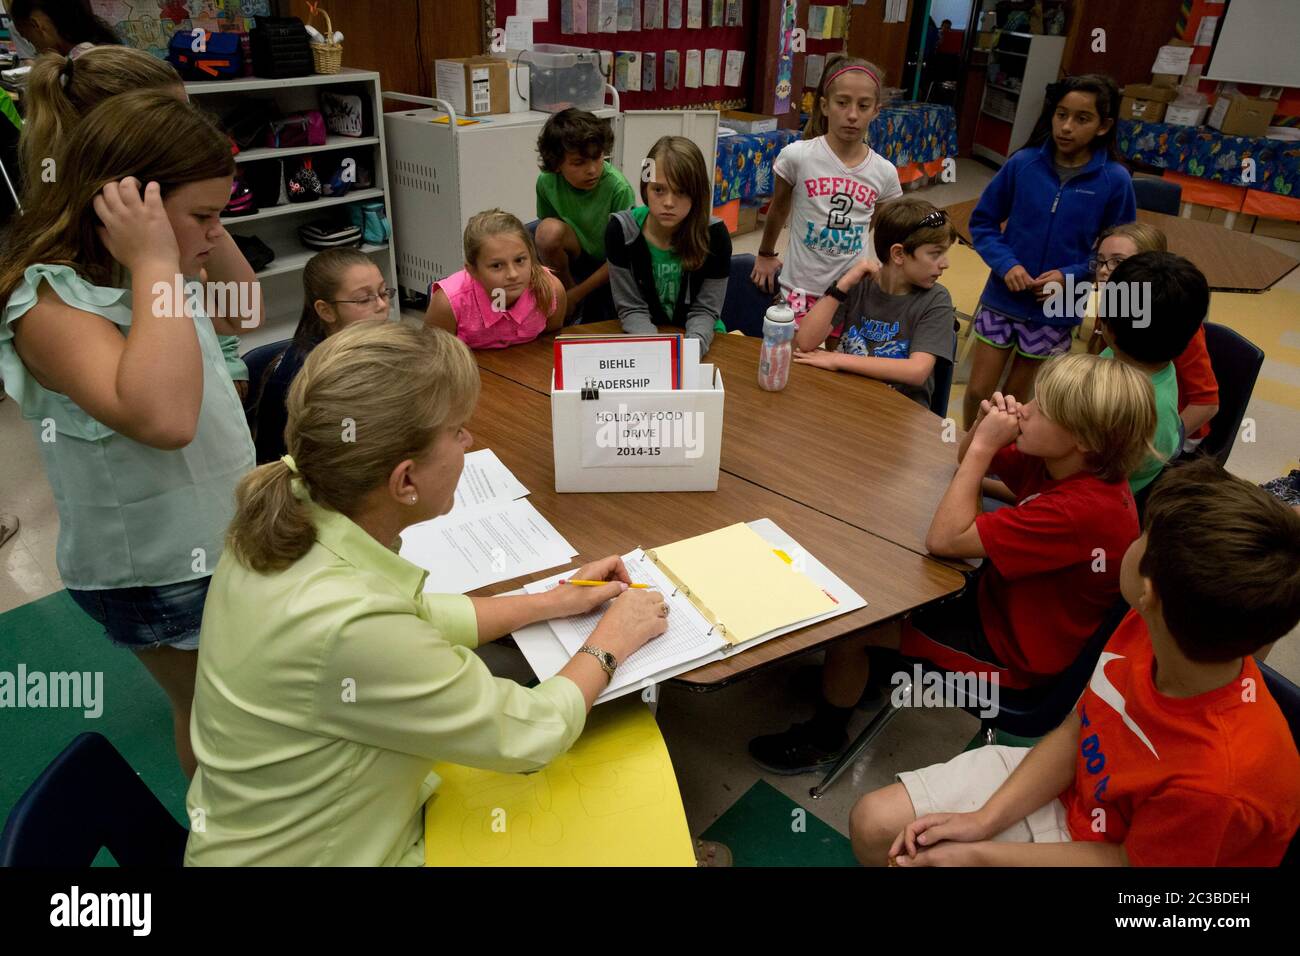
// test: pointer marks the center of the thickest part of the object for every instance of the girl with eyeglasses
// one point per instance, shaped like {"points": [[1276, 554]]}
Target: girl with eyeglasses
{"points": [[340, 288]]}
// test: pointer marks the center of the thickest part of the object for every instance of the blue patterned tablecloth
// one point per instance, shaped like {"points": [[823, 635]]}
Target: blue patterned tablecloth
{"points": [[1208, 154], [911, 133], [743, 169], [905, 134]]}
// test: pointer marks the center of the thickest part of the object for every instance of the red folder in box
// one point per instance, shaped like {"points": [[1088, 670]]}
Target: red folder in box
{"points": [[672, 343]]}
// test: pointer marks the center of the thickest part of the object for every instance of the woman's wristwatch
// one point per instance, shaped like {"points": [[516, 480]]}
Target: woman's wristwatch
{"points": [[608, 662]]}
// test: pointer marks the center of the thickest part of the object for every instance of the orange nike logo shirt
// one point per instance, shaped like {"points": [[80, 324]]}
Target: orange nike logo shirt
{"points": [[1210, 780]]}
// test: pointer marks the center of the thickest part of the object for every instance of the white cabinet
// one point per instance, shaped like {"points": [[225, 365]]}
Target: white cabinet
{"points": [[277, 225], [1020, 67], [442, 173]]}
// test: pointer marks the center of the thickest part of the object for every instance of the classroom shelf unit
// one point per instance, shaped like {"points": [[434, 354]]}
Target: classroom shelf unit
{"points": [[1020, 65], [277, 225]]}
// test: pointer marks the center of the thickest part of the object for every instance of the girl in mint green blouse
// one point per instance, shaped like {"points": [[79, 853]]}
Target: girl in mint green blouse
{"points": [[116, 365]]}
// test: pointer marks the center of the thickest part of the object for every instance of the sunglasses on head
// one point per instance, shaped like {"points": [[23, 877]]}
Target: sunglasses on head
{"points": [[931, 221]]}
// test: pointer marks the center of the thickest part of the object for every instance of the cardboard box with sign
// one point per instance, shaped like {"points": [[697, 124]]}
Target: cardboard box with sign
{"points": [[1145, 102], [743, 122], [474, 85], [1239, 115]]}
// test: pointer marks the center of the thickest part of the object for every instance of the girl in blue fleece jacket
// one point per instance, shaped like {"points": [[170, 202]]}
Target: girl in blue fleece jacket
{"points": [[1055, 195]]}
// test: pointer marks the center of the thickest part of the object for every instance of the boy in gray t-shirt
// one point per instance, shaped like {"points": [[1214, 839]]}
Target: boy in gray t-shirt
{"points": [[895, 320]]}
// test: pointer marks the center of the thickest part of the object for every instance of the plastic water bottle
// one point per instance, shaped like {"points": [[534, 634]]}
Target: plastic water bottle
{"points": [[778, 348]]}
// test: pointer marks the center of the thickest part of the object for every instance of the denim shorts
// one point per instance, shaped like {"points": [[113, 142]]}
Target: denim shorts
{"points": [[141, 618]]}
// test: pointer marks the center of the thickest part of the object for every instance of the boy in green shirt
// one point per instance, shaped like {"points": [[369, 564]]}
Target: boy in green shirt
{"points": [[1148, 312], [577, 191]]}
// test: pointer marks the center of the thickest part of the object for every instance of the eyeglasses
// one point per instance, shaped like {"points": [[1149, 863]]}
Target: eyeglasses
{"points": [[370, 300], [1096, 262]]}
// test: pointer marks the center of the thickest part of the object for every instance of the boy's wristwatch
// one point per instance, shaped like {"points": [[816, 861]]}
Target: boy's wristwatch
{"points": [[835, 292], [608, 662]]}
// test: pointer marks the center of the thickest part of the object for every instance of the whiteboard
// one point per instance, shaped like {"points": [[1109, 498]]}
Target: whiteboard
{"points": [[1257, 43]]}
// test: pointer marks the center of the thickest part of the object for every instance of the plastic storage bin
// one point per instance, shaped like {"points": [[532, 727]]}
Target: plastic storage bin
{"points": [[564, 76]]}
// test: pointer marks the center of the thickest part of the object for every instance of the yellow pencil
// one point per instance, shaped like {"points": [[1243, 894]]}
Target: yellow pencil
{"points": [[598, 584]]}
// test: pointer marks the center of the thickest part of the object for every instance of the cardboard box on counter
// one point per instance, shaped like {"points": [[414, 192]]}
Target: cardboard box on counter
{"points": [[1146, 102], [475, 85], [1239, 115]]}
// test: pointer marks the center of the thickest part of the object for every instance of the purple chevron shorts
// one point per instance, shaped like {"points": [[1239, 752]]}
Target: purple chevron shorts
{"points": [[1031, 339]]}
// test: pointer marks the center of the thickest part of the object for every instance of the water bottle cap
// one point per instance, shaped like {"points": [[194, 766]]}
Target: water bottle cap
{"points": [[780, 313]]}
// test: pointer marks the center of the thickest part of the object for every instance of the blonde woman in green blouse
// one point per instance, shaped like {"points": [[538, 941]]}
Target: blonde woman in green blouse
{"points": [[328, 681]]}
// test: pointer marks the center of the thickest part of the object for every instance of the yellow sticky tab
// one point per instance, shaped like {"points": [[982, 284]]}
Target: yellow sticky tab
{"points": [[783, 556]]}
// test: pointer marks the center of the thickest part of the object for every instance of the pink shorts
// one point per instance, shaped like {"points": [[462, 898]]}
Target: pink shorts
{"points": [[798, 300]]}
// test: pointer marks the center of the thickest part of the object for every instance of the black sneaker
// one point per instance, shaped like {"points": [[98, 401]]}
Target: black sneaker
{"points": [[795, 751]]}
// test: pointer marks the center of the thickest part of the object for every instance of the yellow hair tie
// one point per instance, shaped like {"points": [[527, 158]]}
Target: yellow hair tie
{"points": [[290, 463]]}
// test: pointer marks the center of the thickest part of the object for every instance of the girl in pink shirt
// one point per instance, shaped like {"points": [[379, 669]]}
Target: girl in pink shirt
{"points": [[504, 296]]}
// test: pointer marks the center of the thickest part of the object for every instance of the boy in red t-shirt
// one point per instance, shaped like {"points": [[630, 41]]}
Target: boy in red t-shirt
{"points": [[1176, 754], [1052, 568]]}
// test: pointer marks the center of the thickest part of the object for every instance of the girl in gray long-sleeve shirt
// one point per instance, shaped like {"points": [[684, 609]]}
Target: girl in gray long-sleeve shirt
{"points": [[669, 259]]}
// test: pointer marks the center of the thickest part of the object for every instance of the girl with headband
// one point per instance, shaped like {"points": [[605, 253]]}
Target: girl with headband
{"points": [[827, 185]]}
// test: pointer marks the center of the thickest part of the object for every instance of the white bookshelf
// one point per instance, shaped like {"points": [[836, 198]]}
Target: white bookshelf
{"points": [[1010, 109], [277, 226]]}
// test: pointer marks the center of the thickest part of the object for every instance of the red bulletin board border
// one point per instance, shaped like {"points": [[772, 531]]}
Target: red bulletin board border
{"points": [[657, 41]]}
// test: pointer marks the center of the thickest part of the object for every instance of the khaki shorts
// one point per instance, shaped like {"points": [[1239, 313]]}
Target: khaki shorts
{"points": [[965, 783]]}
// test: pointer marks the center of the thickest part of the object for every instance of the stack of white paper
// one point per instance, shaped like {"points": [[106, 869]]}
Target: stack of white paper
{"points": [[491, 534]]}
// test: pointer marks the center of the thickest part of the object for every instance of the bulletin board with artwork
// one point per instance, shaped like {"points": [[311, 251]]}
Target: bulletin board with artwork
{"points": [[149, 24], [658, 39]]}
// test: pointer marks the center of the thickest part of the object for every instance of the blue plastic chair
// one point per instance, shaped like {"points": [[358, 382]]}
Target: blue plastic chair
{"points": [[1158, 195], [86, 800], [943, 372], [1236, 362], [1032, 712], [745, 305]]}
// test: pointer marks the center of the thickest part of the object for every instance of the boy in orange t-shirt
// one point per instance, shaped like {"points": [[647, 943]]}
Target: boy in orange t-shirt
{"points": [[1176, 754]]}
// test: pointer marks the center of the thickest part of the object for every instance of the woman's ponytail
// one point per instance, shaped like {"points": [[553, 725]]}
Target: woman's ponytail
{"points": [[272, 527]]}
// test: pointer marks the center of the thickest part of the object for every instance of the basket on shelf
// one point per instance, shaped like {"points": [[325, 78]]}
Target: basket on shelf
{"points": [[328, 56]]}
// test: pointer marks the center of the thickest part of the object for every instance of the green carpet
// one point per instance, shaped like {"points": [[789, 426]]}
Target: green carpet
{"points": [[53, 634], [759, 828]]}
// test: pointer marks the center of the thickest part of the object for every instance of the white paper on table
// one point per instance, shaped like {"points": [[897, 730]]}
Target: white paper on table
{"points": [[483, 545], [1173, 59], [735, 64], [532, 9], [692, 69], [546, 651], [712, 67], [519, 33], [485, 480]]}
